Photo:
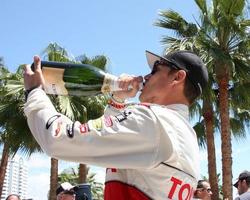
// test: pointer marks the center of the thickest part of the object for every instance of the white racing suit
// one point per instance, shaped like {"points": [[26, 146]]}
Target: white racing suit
{"points": [[150, 151]]}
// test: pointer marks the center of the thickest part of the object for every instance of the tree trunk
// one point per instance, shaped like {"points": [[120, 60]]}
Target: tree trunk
{"points": [[212, 171], [3, 167], [53, 178], [83, 171], [226, 146]]}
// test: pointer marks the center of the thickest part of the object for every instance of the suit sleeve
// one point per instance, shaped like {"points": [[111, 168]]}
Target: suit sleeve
{"points": [[125, 139]]}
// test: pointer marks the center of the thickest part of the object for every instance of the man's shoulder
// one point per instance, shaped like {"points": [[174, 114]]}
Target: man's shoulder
{"points": [[244, 196]]}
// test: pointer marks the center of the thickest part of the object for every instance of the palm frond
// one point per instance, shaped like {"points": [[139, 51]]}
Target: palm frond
{"points": [[174, 21], [202, 5], [201, 134]]}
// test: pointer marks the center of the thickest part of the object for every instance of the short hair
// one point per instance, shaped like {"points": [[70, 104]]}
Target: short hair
{"points": [[200, 183], [199, 186], [7, 198], [190, 92]]}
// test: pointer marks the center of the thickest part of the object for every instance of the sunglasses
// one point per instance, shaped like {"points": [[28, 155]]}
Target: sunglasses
{"points": [[165, 63], [207, 189]]}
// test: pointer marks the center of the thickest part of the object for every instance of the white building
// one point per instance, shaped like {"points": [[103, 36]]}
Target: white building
{"points": [[16, 179]]}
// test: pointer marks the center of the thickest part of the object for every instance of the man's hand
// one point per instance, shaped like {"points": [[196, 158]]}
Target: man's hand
{"points": [[33, 79], [130, 85]]}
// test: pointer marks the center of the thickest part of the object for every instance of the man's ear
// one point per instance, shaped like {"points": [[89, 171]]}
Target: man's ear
{"points": [[180, 76]]}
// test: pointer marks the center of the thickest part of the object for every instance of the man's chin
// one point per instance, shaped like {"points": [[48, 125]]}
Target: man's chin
{"points": [[145, 99], [141, 98]]}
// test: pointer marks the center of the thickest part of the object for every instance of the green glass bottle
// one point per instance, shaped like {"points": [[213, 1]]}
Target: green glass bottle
{"points": [[76, 79]]}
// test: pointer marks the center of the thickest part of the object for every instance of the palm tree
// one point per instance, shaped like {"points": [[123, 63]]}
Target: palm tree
{"points": [[205, 129], [226, 40], [53, 178], [70, 175], [186, 40], [222, 40], [15, 134], [76, 108]]}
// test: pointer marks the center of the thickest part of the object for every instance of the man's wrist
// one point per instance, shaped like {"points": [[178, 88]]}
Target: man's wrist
{"points": [[117, 99], [116, 102], [26, 92]]}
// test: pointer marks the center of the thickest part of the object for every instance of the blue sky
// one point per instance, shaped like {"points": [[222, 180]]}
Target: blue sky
{"points": [[120, 30]]}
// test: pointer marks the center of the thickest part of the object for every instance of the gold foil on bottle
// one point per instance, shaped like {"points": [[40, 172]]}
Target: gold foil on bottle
{"points": [[106, 84], [54, 83]]}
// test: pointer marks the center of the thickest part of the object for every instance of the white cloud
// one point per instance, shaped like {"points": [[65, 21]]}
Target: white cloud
{"points": [[38, 161], [38, 186]]}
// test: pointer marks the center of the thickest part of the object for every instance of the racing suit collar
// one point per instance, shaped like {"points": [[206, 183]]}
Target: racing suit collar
{"points": [[182, 109]]}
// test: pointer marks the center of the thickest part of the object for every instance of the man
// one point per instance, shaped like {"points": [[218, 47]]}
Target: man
{"points": [[13, 197], [203, 190], [243, 186], [66, 191], [149, 149]]}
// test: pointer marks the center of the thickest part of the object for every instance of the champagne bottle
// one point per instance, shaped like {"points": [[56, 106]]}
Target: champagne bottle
{"points": [[76, 79]]}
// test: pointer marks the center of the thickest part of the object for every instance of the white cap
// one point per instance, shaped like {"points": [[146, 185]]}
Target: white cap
{"points": [[65, 186]]}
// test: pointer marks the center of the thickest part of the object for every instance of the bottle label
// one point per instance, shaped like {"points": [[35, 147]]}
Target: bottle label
{"points": [[54, 81]]}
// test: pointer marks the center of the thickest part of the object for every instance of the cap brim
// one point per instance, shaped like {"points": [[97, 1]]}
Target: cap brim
{"points": [[236, 184], [152, 58], [66, 187], [75, 188]]}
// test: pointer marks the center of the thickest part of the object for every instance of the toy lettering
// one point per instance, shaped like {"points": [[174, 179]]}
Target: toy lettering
{"points": [[184, 189], [111, 169]]}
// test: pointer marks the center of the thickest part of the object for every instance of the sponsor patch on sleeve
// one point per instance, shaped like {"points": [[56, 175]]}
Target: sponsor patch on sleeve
{"points": [[97, 124], [100, 123], [84, 128], [70, 130], [108, 121], [51, 120], [58, 130], [123, 115]]}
